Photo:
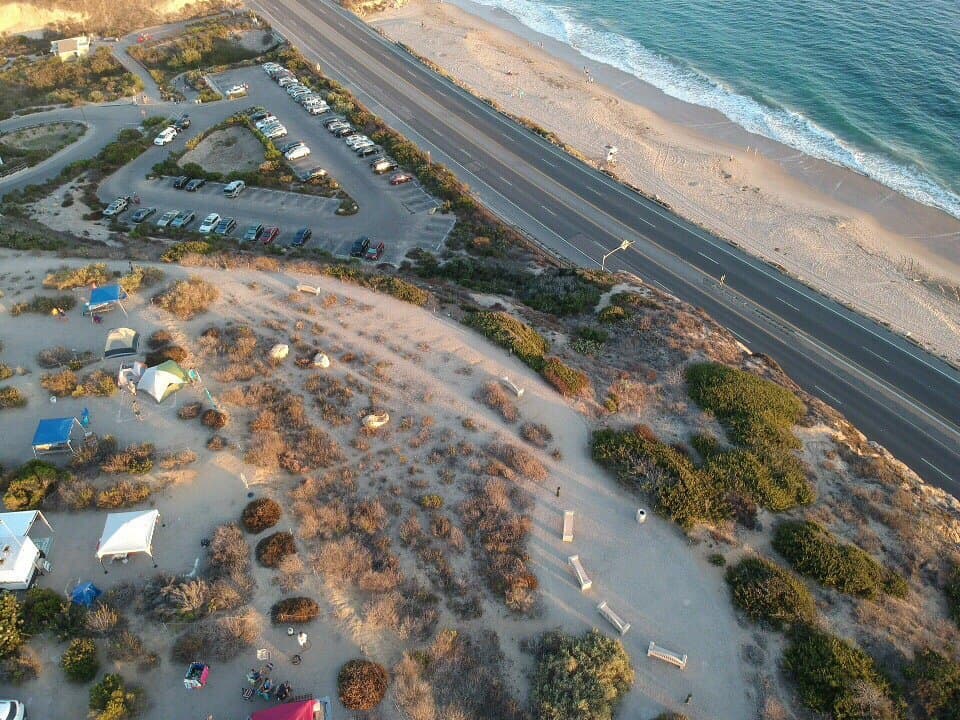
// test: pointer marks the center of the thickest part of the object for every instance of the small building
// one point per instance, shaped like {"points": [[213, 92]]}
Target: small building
{"points": [[68, 48]]}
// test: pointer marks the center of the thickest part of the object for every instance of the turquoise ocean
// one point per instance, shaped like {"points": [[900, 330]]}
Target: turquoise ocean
{"points": [[873, 85]]}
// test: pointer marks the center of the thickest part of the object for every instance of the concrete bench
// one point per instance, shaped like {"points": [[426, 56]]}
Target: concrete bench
{"points": [[666, 655], [517, 390], [613, 618], [585, 582], [568, 526], [308, 289]]}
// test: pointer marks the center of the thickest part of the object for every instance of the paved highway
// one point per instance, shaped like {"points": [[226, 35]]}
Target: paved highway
{"points": [[897, 394]]}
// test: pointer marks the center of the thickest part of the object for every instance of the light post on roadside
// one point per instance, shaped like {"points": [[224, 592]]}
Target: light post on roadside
{"points": [[622, 246]]}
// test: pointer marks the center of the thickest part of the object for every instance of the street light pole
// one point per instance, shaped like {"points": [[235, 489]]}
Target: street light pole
{"points": [[622, 246]]}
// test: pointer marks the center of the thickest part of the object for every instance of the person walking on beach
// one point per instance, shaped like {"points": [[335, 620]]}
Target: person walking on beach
{"points": [[558, 491]]}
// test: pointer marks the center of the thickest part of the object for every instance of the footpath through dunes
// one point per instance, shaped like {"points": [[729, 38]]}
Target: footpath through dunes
{"points": [[425, 370]]}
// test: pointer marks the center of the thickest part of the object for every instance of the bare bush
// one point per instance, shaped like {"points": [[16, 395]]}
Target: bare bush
{"points": [[494, 396], [186, 299], [222, 639], [536, 434], [369, 517], [325, 521], [519, 460], [190, 411], [273, 548]]}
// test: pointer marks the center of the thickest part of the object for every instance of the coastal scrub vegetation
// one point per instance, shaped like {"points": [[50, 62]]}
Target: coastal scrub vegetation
{"points": [[511, 334], [362, 684], [112, 699], [933, 685], [952, 591], [11, 397], [186, 299], [583, 676], [813, 551], [260, 514], [27, 486], [768, 593]]}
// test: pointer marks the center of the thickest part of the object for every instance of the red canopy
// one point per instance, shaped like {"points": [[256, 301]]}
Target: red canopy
{"points": [[291, 711]]}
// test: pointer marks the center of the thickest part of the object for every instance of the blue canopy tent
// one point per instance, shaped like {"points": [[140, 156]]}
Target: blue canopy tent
{"points": [[103, 299], [85, 594], [57, 435]]}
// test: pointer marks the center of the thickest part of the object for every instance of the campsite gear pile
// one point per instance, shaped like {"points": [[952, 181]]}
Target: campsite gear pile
{"points": [[196, 676]]}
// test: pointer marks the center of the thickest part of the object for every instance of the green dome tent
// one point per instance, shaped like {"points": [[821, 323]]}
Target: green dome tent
{"points": [[161, 381]]}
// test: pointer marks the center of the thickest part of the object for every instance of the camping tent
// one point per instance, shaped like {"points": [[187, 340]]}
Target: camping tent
{"points": [[121, 342], [56, 435], [128, 532], [85, 594], [20, 556], [303, 710], [104, 298], [162, 380]]}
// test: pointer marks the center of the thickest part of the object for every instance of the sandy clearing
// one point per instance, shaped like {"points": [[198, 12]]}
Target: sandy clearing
{"points": [[226, 150]]}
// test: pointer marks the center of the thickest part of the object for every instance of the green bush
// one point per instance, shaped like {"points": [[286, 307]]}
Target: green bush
{"points": [[568, 381], [582, 677], [933, 685], [41, 610], [612, 314], [6, 372], [387, 284], [11, 624], [828, 672], [45, 305], [952, 591], [511, 334], [191, 247], [768, 593], [31, 484], [80, 277], [431, 502], [813, 551], [79, 661], [11, 397], [593, 334], [564, 292], [110, 699]]}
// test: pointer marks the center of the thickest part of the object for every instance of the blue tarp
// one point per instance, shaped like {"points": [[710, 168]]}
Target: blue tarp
{"points": [[54, 431], [106, 295], [85, 594]]}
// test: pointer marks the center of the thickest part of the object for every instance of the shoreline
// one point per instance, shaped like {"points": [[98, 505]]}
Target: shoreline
{"points": [[841, 232]]}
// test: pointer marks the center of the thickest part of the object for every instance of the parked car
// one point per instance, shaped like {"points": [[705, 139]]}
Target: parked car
{"points": [[344, 132], [12, 710], [195, 184], [259, 115], [286, 147], [277, 132], [183, 219], [300, 151], [116, 207], [317, 172], [267, 119], [166, 136], [327, 122], [236, 91], [359, 246], [363, 146], [302, 237], [231, 190], [209, 223], [225, 226], [183, 122], [167, 218], [180, 183], [354, 139], [375, 252], [252, 233], [317, 109], [269, 235], [383, 165], [336, 125], [287, 80], [142, 214], [368, 150], [400, 178]]}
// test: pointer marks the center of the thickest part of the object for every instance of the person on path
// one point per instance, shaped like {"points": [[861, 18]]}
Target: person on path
{"points": [[558, 491]]}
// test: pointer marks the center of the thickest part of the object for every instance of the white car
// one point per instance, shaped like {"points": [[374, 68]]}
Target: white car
{"points": [[12, 710], [234, 188], [354, 139], [270, 66], [209, 223], [287, 80], [116, 207], [166, 135], [236, 91], [318, 109], [277, 132], [301, 151], [260, 124]]}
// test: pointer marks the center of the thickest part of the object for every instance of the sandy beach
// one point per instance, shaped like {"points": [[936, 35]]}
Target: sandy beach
{"points": [[844, 234]]}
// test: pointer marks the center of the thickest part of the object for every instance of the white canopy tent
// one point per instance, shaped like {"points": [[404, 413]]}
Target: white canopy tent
{"points": [[20, 556], [128, 532]]}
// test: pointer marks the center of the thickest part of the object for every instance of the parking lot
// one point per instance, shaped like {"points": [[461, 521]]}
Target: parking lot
{"points": [[403, 216]]}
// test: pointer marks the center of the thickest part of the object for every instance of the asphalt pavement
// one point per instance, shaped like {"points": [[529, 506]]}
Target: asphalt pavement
{"points": [[899, 395]]}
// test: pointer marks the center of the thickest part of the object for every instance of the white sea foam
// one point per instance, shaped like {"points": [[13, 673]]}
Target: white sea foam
{"points": [[688, 84]]}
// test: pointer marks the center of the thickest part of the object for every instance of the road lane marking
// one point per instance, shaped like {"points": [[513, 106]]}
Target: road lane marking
{"points": [[707, 257], [547, 162], [505, 180], [794, 307], [838, 402], [937, 469], [544, 207], [879, 357]]}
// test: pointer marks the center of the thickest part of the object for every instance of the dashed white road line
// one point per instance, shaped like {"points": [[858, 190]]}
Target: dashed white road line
{"points": [[715, 262], [879, 357], [936, 468], [794, 307], [838, 402]]}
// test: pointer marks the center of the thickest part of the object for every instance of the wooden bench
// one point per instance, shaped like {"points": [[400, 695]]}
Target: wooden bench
{"points": [[614, 619], [585, 582], [666, 655], [568, 526], [308, 289]]}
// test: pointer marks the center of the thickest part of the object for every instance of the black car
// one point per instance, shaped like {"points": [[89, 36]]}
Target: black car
{"points": [[142, 214], [259, 115], [287, 147], [181, 182], [303, 235], [344, 132], [327, 122], [195, 184], [359, 247], [183, 122]]}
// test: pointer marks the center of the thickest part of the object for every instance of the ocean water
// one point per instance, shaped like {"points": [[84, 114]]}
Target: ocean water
{"points": [[873, 85]]}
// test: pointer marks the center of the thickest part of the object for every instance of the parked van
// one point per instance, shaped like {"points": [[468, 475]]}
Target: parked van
{"points": [[234, 188]]}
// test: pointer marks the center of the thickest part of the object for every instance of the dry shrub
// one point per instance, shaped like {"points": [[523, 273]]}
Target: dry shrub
{"points": [[168, 352], [411, 531], [74, 494], [519, 460], [273, 548], [221, 639], [291, 573], [21, 666], [294, 610], [59, 384], [230, 558], [123, 494], [215, 419], [536, 434], [159, 339], [102, 619], [96, 384], [174, 460], [494, 396], [190, 411], [135, 460], [369, 517], [380, 581], [186, 299], [325, 521], [260, 514], [362, 684], [67, 278], [344, 559], [217, 443], [59, 356]]}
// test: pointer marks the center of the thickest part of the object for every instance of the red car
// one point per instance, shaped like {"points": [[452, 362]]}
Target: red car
{"points": [[374, 252], [400, 178], [270, 234]]}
